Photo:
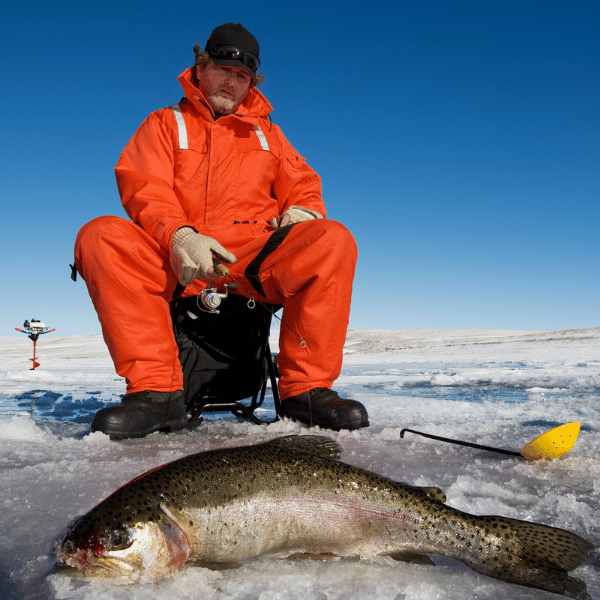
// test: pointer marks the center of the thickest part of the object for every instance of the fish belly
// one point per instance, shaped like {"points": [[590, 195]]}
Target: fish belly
{"points": [[282, 526]]}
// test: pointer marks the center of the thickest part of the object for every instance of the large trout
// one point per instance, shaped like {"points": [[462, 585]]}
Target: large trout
{"points": [[290, 496]]}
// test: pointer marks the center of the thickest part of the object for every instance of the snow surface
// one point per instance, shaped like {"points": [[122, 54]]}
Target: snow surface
{"points": [[498, 388]]}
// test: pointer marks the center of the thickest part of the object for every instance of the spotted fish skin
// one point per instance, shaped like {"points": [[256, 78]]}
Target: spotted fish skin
{"points": [[291, 496]]}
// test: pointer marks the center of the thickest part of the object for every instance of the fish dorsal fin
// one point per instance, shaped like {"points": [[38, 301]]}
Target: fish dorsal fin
{"points": [[311, 444]]}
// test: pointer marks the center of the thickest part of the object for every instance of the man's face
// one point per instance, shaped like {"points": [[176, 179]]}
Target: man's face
{"points": [[224, 87]]}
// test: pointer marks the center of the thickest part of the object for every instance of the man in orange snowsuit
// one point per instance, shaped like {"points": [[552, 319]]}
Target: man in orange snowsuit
{"points": [[212, 177]]}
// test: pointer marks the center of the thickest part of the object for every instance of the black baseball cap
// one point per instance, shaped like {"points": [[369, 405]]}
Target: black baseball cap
{"points": [[234, 36]]}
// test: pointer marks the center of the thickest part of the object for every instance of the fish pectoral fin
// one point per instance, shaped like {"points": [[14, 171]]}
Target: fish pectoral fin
{"points": [[311, 444], [216, 566], [412, 557]]}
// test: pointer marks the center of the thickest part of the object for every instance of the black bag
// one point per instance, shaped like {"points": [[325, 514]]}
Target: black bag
{"points": [[225, 357]]}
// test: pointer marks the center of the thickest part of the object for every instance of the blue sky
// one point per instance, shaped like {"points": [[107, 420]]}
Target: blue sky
{"points": [[458, 140]]}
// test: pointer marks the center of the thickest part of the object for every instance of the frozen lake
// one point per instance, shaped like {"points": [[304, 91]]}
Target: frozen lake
{"points": [[497, 388]]}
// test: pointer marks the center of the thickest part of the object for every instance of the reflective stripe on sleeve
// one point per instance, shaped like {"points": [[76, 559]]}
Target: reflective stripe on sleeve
{"points": [[183, 139]]}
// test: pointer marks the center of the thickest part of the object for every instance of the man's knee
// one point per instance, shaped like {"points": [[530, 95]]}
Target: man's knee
{"points": [[100, 227], [100, 240], [337, 237], [105, 226]]}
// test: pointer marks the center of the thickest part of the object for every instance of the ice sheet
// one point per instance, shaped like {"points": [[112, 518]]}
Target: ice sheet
{"points": [[497, 388]]}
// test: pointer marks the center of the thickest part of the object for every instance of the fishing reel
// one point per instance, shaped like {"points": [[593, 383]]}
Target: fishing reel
{"points": [[210, 298]]}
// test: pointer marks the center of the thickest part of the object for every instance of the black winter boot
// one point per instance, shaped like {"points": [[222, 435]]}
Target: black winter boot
{"points": [[324, 407], [142, 413]]}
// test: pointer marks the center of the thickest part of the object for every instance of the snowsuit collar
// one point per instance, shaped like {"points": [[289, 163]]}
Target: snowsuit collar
{"points": [[254, 105]]}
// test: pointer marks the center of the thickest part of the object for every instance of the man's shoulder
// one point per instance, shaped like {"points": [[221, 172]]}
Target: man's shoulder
{"points": [[161, 114], [169, 116]]}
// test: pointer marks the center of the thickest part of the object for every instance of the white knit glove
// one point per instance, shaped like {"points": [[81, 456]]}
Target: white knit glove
{"points": [[192, 255], [295, 214]]}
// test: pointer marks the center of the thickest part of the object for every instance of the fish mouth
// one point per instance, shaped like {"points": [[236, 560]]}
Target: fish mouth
{"points": [[107, 567]]}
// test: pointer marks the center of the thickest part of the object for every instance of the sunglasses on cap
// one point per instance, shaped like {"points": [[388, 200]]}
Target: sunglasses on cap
{"points": [[232, 53]]}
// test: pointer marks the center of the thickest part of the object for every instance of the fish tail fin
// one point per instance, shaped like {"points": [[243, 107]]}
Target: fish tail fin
{"points": [[544, 558]]}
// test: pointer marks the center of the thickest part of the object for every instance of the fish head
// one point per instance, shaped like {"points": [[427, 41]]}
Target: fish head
{"points": [[145, 551]]}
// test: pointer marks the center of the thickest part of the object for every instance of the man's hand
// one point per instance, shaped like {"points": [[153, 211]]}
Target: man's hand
{"points": [[192, 255], [295, 214]]}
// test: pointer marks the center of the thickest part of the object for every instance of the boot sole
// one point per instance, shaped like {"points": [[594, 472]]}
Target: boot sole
{"points": [[350, 424], [125, 435]]}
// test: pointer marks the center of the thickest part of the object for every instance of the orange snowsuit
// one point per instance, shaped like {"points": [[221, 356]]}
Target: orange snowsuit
{"points": [[226, 178]]}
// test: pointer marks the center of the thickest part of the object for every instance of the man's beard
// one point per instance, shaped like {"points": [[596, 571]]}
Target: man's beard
{"points": [[223, 106]]}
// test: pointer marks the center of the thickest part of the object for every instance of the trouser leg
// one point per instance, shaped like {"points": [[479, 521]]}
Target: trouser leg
{"points": [[311, 274], [130, 283]]}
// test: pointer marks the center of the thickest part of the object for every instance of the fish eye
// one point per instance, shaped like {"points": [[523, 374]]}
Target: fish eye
{"points": [[119, 539]]}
